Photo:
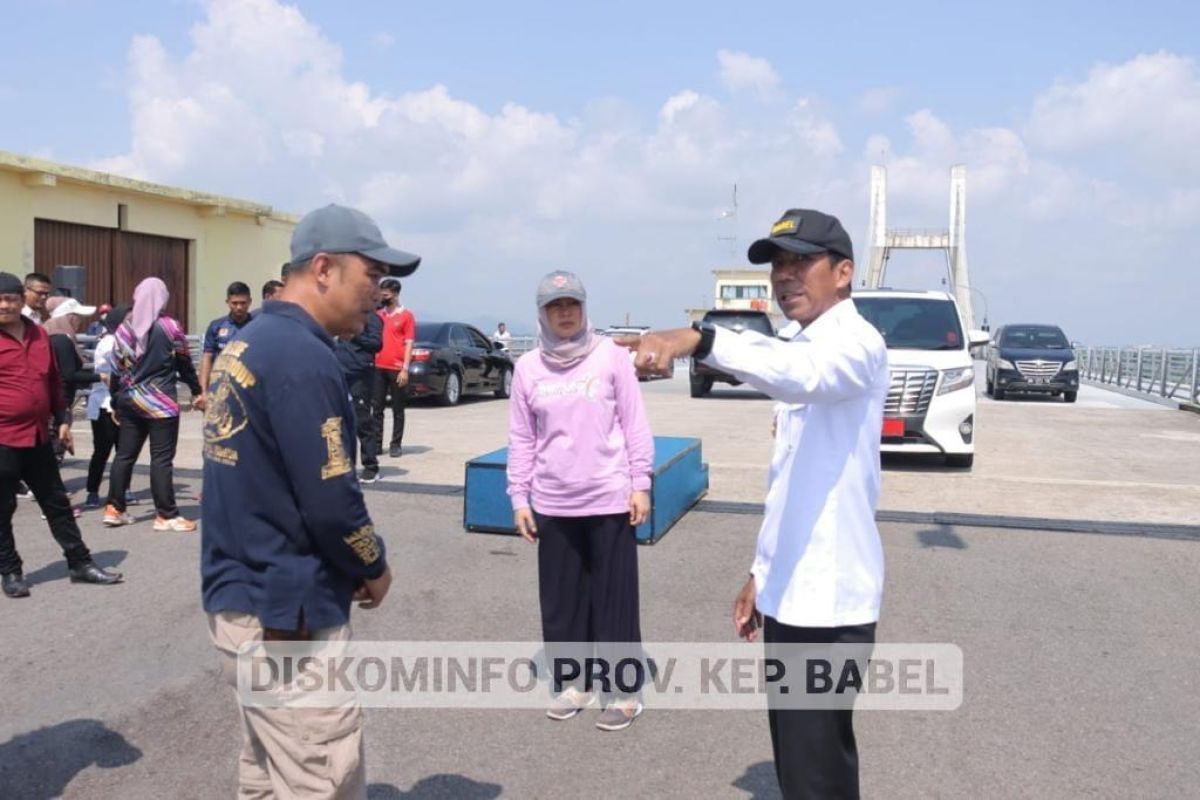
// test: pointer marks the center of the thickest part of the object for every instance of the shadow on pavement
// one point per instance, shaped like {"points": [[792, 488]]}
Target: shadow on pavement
{"points": [[437, 786], [760, 781], [106, 559], [41, 764], [941, 536]]}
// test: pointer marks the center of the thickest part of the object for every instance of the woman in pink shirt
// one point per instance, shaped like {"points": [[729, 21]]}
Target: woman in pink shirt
{"points": [[579, 463]]}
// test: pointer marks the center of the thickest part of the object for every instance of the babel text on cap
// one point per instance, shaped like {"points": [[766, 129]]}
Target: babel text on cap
{"points": [[805, 232], [338, 229]]}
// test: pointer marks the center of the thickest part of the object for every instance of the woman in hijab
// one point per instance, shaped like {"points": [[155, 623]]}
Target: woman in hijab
{"points": [[150, 355], [99, 406], [579, 465]]}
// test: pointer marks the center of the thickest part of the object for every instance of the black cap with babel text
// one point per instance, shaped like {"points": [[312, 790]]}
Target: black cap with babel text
{"points": [[805, 232]]}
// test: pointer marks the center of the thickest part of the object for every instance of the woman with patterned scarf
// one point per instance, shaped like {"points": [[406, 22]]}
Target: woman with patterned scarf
{"points": [[150, 355]]}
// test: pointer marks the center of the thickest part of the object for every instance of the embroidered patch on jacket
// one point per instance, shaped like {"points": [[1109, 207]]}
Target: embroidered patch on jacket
{"points": [[364, 544], [337, 463]]}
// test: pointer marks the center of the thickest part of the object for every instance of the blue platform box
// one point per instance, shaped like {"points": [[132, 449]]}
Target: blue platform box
{"points": [[680, 479]]}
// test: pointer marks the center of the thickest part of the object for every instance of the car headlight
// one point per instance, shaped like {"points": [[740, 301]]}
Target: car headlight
{"points": [[1070, 365], [955, 379], [1005, 364]]}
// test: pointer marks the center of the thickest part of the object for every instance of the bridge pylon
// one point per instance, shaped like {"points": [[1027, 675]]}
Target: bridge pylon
{"points": [[952, 241]]}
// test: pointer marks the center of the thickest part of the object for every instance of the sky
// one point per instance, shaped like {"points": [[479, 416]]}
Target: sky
{"points": [[505, 140]]}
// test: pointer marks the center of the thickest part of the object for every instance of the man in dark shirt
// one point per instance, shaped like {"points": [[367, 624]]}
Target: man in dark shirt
{"points": [[287, 542], [357, 357], [222, 330], [30, 393]]}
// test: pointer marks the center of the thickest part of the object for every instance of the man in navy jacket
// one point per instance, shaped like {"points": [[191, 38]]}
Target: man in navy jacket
{"points": [[287, 541]]}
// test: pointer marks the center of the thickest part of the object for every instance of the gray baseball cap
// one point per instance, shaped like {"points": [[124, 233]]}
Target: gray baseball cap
{"points": [[338, 229], [560, 284]]}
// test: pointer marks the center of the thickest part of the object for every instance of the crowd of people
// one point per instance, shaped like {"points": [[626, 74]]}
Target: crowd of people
{"points": [[288, 544]]}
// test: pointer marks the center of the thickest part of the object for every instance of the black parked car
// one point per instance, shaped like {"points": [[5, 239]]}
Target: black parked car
{"points": [[702, 376], [453, 358], [1032, 358]]}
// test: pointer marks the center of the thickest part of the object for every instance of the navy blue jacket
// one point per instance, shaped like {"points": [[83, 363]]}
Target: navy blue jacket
{"points": [[357, 356], [220, 332], [286, 535]]}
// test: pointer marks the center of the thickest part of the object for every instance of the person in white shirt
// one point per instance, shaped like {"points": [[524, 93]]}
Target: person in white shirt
{"points": [[38, 289], [817, 575], [502, 337]]}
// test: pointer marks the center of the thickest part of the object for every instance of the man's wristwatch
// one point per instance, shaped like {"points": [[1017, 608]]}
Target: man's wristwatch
{"points": [[707, 332]]}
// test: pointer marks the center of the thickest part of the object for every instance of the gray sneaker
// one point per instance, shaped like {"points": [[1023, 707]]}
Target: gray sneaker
{"points": [[569, 703], [369, 476], [619, 716]]}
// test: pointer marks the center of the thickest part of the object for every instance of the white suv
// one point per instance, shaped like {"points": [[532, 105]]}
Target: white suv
{"points": [[931, 403]]}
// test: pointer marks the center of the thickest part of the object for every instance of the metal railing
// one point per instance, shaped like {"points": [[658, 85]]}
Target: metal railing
{"points": [[1158, 372]]}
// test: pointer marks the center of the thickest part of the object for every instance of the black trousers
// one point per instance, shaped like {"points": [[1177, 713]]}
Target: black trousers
{"points": [[361, 392], [132, 434], [588, 588], [816, 755], [104, 439], [38, 468], [386, 394]]}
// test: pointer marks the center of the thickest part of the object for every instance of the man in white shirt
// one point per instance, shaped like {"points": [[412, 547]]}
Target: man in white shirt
{"points": [[817, 575], [502, 337], [38, 289]]}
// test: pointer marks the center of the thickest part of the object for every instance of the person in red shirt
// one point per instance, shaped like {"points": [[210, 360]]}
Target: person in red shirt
{"points": [[391, 368], [31, 392]]}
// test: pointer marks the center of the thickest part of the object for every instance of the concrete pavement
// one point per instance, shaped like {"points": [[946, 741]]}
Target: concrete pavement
{"points": [[1081, 677]]}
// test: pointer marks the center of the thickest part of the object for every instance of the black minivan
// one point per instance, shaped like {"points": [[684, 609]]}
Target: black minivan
{"points": [[1032, 358]]}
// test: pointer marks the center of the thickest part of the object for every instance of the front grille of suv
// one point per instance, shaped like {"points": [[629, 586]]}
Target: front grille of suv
{"points": [[1039, 370], [910, 392]]}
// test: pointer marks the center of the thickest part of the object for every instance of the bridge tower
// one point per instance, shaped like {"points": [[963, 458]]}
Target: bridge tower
{"points": [[952, 242]]}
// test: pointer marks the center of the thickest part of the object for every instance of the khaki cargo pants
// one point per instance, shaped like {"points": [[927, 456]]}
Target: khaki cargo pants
{"points": [[292, 752]]}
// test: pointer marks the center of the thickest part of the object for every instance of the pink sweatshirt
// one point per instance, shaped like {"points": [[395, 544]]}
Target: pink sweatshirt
{"points": [[578, 440]]}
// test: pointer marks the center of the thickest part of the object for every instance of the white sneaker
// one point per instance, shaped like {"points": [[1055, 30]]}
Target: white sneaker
{"points": [[570, 703], [176, 524]]}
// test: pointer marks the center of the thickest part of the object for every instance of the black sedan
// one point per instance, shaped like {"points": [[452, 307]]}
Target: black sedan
{"points": [[453, 358]]}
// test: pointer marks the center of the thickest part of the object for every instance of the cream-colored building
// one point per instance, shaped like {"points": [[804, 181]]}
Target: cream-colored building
{"points": [[742, 289], [122, 230]]}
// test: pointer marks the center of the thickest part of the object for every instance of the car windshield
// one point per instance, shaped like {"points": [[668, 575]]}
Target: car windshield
{"points": [[759, 323], [1029, 337], [431, 332], [913, 323]]}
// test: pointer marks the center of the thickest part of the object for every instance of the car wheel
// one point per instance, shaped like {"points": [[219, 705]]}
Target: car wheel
{"points": [[505, 388], [452, 391], [990, 388], [997, 393], [1070, 396], [701, 386], [960, 460]]}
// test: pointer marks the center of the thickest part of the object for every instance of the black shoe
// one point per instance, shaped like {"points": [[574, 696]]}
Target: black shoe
{"points": [[15, 585], [90, 573], [369, 476], [394, 452], [23, 491]]}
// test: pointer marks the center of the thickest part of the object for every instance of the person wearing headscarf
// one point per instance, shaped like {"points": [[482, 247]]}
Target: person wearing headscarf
{"points": [[580, 460], [150, 355], [99, 406]]}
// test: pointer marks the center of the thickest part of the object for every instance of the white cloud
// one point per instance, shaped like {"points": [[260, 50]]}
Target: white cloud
{"points": [[1148, 106], [740, 71], [879, 100], [258, 106]]}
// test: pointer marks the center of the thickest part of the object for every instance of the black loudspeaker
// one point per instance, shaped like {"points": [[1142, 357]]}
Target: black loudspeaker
{"points": [[71, 281]]}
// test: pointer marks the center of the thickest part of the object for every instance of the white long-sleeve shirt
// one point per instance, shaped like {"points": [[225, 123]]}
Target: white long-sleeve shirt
{"points": [[819, 561]]}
